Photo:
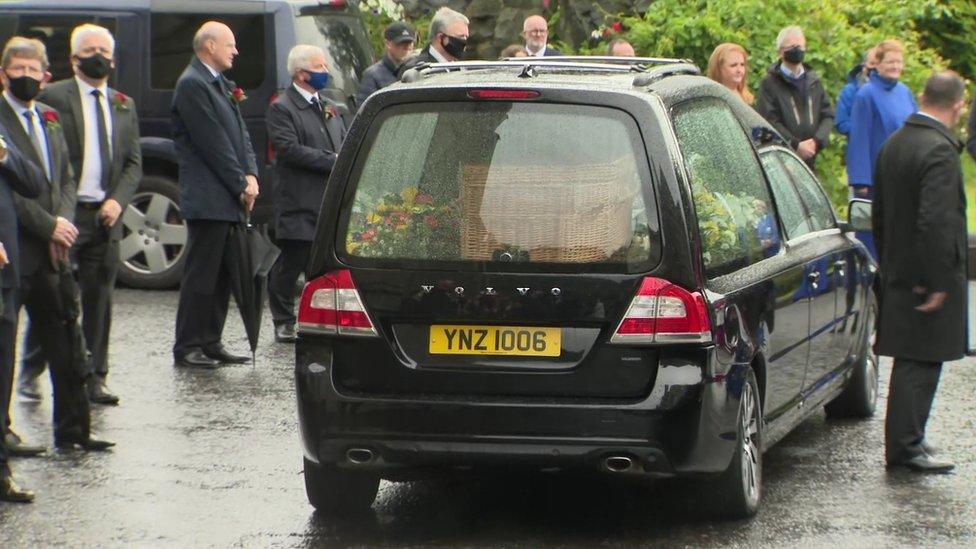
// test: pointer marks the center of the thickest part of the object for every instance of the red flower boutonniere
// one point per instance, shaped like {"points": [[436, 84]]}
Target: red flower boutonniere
{"points": [[237, 95], [120, 102], [51, 120], [331, 112]]}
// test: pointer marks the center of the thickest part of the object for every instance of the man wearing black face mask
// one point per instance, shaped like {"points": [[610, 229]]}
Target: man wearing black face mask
{"points": [[448, 37], [306, 133], [102, 132], [793, 100]]}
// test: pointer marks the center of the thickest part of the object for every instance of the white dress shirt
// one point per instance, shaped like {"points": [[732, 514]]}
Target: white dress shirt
{"points": [[20, 109], [309, 96], [90, 179], [540, 53]]}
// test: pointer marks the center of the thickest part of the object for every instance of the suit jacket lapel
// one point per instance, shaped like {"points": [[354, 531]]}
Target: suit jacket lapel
{"points": [[334, 127], [74, 98], [117, 119], [53, 154], [15, 130]]}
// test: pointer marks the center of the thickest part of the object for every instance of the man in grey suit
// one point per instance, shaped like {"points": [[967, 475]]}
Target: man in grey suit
{"points": [[46, 233], [306, 133], [17, 174], [218, 185], [919, 217], [102, 132]]}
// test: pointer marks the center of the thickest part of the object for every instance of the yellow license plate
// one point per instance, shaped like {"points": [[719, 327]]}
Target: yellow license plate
{"points": [[494, 340]]}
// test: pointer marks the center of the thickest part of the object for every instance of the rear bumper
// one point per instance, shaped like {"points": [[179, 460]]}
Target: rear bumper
{"points": [[685, 426]]}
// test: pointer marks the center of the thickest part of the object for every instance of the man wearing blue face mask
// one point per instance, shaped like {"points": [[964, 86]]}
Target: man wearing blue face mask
{"points": [[306, 132]]}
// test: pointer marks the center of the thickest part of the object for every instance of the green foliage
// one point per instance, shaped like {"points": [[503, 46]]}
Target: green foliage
{"points": [[949, 27], [378, 14]]}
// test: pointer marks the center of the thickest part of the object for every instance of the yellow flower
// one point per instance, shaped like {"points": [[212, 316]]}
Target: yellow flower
{"points": [[373, 218], [408, 194]]}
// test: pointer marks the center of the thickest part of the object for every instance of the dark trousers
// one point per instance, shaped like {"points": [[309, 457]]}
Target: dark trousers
{"points": [[97, 258], [910, 394], [283, 278], [40, 293], [8, 332], [204, 289]]}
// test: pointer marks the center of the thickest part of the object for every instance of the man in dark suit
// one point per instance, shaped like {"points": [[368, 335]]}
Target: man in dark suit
{"points": [[306, 134], [448, 37], [102, 132], [46, 234], [218, 185], [919, 217], [535, 31], [19, 175]]}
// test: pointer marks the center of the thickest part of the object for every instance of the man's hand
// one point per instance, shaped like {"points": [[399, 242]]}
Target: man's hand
{"points": [[807, 149], [110, 212], [932, 303], [64, 233], [4, 260], [250, 193], [57, 253]]}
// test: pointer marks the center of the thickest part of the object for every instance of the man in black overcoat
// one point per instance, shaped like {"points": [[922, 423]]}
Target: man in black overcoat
{"points": [[107, 159], [306, 133], [448, 38], [919, 218], [46, 233], [17, 174], [398, 39], [218, 185]]}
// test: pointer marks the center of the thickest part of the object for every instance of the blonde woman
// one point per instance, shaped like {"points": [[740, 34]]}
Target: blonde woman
{"points": [[728, 65]]}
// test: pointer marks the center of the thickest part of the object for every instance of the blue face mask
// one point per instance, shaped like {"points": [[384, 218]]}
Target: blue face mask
{"points": [[318, 80]]}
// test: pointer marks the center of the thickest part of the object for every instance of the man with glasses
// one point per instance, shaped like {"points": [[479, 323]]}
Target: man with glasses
{"points": [[535, 30]]}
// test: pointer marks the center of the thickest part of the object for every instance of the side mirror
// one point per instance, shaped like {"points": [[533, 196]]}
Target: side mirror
{"points": [[859, 214]]}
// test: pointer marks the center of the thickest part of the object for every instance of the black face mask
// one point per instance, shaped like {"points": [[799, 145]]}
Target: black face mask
{"points": [[96, 66], [24, 87], [794, 55], [454, 46]]}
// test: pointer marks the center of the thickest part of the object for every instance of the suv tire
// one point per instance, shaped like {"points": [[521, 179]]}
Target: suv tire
{"points": [[737, 492], [154, 257], [860, 397], [337, 491]]}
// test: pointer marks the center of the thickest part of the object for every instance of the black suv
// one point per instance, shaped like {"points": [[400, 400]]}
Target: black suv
{"points": [[590, 263], [153, 46]]}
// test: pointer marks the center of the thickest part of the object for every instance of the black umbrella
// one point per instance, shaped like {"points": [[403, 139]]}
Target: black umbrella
{"points": [[251, 255], [67, 302]]}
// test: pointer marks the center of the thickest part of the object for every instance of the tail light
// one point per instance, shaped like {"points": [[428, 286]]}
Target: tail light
{"points": [[662, 312], [331, 305], [503, 95]]}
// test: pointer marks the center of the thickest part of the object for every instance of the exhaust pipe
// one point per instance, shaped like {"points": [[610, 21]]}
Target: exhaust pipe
{"points": [[359, 456], [618, 464]]}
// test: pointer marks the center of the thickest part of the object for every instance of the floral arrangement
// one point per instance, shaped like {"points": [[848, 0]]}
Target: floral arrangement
{"points": [[330, 112], [409, 224], [237, 95], [120, 102], [51, 120]]}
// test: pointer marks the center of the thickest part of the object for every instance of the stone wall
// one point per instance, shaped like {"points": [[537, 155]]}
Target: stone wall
{"points": [[498, 23]]}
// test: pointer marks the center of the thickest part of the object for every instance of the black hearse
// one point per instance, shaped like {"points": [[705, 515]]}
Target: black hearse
{"points": [[588, 263]]}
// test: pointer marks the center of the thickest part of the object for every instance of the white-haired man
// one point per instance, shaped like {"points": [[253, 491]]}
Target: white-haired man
{"points": [[102, 132], [793, 100], [306, 132], [535, 30], [448, 37]]}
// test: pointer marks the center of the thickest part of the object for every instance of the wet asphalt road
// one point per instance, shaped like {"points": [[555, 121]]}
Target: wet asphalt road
{"points": [[212, 459]]}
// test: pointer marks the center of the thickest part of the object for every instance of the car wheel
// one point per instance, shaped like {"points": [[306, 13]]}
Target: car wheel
{"points": [[738, 491], [153, 245], [333, 490], [860, 398]]}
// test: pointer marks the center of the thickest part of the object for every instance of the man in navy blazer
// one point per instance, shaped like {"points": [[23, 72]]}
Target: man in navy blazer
{"points": [[218, 185], [17, 174]]}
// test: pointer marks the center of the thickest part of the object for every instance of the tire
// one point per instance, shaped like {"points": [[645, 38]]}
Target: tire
{"points": [[737, 493], [860, 397], [336, 491], [153, 245]]}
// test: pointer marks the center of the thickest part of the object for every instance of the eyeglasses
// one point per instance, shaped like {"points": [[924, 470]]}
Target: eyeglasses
{"points": [[536, 31]]}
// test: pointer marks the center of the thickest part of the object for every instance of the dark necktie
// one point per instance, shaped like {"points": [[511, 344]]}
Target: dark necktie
{"points": [[103, 149], [36, 142], [317, 105]]}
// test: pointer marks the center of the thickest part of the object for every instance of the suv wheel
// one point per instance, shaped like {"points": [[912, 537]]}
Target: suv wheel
{"points": [[739, 489], [153, 236], [333, 490], [860, 397]]}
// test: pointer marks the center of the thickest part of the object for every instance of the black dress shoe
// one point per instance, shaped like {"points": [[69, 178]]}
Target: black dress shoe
{"points": [[90, 444], [9, 491], [195, 359], [28, 386], [220, 354], [18, 448], [285, 333], [924, 463], [98, 392]]}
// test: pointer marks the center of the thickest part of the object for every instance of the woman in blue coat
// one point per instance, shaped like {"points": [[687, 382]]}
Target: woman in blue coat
{"points": [[880, 108]]}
